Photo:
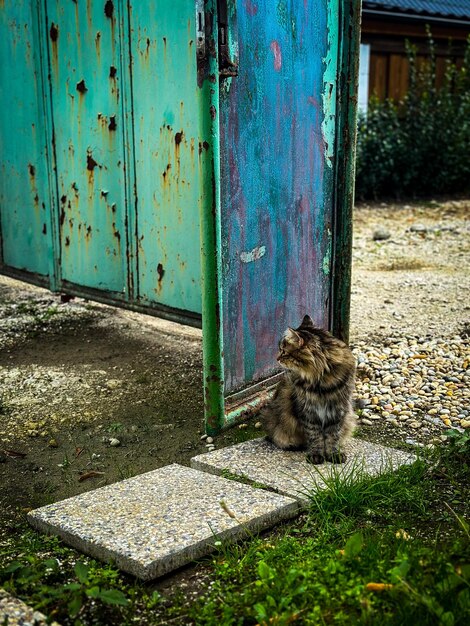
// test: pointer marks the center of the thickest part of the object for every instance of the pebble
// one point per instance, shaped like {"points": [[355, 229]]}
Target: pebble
{"points": [[209, 440], [414, 382], [53, 443], [114, 442], [258, 425], [381, 234], [203, 437]]}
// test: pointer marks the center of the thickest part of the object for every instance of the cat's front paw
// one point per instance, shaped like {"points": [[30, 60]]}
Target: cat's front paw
{"points": [[315, 458], [337, 457]]}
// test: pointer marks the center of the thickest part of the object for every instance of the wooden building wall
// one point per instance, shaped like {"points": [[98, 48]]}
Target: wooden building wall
{"points": [[389, 66]]}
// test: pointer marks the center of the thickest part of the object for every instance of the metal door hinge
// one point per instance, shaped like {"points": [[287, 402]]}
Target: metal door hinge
{"points": [[200, 30], [227, 68]]}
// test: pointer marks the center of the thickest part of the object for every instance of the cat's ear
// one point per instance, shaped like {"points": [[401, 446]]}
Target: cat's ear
{"points": [[294, 338], [307, 322]]}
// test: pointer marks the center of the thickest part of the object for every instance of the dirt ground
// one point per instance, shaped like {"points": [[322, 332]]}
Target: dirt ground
{"points": [[90, 394]]}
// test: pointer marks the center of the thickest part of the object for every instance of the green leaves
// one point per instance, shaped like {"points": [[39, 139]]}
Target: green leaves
{"points": [[420, 145], [41, 580], [354, 545]]}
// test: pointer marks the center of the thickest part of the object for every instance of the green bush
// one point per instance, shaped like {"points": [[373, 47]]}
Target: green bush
{"points": [[420, 146]]}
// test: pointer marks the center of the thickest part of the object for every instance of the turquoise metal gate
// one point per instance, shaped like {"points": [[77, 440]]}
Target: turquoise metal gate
{"points": [[194, 158]]}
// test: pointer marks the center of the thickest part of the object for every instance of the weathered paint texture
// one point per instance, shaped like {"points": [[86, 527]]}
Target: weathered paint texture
{"points": [[103, 153], [23, 169], [168, 152], [276, 125], [86, 112]]}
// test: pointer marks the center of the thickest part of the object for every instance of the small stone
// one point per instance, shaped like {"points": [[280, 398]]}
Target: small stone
{"points": [[114, 442], [203, 437], [209, 440], [414, 424], [366, 421], [381, 234], [113, 383], [465, 423], [418, 228], [53, 443], [258, 425], [242, 426]]}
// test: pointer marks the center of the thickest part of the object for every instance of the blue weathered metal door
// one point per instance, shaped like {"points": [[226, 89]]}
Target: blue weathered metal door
{"points": [[282, 212]]}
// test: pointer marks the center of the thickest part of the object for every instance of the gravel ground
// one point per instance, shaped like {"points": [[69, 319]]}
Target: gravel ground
{"points": [[411, 320]]}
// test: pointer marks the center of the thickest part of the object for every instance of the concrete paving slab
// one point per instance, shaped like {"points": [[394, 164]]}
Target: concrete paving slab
{"points": [[288, 473], [154, 523], [15, 612]]}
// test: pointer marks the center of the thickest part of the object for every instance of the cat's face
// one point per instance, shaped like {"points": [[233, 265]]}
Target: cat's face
{"points": [[297, 347]]}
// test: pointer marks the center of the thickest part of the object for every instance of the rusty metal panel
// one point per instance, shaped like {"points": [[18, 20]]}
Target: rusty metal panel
{"points": [[24, 191], [277, 139], [168, 148], [85, 74]]}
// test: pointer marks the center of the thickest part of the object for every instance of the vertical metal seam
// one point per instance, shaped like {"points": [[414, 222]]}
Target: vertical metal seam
{"points": [[130, 180], [55, 277]]}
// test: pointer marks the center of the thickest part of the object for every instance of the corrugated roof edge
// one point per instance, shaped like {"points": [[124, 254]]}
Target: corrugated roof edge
{"points": [[421, 8]]}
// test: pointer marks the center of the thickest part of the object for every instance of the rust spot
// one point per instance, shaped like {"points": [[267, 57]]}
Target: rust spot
{"points": [[67, 241], [88, 231], [75, 186], [32, 170], [44, 229], [178, 138], [62, 216], [63, 199], [212, 78], [109, 9], [160, 272], [164, 41], [54, 32], [113, 207], [90, 162], [205, 145], [112, 72], [69, 204], [112, 122], [81, 87], [213, 112]]}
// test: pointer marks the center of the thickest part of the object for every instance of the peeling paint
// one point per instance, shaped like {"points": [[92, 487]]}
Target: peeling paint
{"points": [[253, 255], [326, 263], [276, 50], [330, 61]]}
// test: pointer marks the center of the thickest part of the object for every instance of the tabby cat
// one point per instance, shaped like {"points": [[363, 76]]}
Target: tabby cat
{"points": [[312, 405]]}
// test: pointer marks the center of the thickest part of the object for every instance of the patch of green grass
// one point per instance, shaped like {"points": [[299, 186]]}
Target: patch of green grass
{"points": [[371, 551], [47, 575]]}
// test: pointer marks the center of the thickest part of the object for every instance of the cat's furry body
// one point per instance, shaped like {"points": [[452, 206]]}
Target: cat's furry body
{"points": [[312, 405]]}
